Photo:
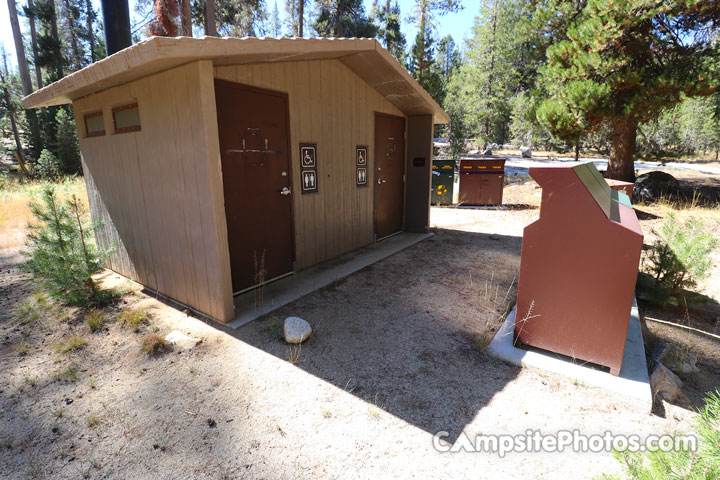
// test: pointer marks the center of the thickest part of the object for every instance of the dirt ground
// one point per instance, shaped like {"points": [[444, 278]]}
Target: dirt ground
{"points": [[393, 360]]}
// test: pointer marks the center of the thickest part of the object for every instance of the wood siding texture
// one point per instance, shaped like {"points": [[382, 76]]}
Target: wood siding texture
{"points": [[333, 107], [158, 192]]}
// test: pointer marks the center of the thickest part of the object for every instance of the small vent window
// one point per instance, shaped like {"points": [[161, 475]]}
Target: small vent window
{"points": [[94, 124], [127, 118]]}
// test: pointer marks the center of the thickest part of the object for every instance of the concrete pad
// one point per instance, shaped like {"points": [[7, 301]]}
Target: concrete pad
{"points": [[289, 289], [632, 385]]}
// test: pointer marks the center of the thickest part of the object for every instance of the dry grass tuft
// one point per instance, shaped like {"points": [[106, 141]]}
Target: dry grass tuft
{"points": [[95, 320], [294, 354], [153, 344], [135, 319], [74, 342]]}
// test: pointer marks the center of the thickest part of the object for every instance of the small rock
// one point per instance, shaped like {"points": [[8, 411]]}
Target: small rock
{"points": [[526, 152], [180, 340], [296, 330], [211, 423], [667, 385]]}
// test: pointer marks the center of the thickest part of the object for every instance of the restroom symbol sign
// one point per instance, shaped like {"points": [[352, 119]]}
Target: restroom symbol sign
{"points": [[307, 157], [309, 180], [361, 176], [361, 156]]}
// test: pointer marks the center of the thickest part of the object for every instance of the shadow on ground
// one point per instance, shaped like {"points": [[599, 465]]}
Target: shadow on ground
{"points": [[402, 334]]}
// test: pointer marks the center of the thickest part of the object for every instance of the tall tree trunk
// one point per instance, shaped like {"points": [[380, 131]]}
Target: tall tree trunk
{"points": [[89, 14], [210, 25], [35, 136], [621, 165], [56, 39], [421, 66], [13, 124], [301, 17], [577, 150], [33, 39], [185, 18], [19, 49]]}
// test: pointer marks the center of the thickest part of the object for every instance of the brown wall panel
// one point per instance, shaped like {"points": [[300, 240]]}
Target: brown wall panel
{"points": [[333, 107], [156, 190]]}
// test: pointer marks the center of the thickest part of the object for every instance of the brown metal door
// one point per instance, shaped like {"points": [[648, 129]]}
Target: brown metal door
{"points": [[389, 174], [253, 132]]}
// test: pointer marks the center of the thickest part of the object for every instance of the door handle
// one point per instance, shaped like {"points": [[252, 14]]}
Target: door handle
{"points": [[380, 180], [285, 191]]}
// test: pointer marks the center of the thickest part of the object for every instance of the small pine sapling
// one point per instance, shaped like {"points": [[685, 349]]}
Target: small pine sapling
{"points": [[60, 251], [681, 256]]}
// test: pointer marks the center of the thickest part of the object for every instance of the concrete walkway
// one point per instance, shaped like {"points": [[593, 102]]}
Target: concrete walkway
{"points": [[289, 289]]}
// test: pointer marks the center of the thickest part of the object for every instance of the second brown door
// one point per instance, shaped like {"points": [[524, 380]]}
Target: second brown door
{"points": [[389, 174], [253, 132]]}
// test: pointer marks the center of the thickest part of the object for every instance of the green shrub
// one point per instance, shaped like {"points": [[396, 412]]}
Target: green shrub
{"points": [[704, 463], [60, 252], [681, 256]]}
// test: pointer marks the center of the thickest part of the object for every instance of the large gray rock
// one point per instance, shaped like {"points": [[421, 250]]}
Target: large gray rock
{"points": [[487, 151], [526, 152], [653, 185], [679, 360], [296, 330], [667, 386]]}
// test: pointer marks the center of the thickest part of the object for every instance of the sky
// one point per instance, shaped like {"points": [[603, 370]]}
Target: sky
{"points": [[459, 25]]}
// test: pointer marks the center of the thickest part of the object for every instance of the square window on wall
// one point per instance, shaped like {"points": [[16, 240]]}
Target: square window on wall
{"points": [[94, 124], [126, 118]]}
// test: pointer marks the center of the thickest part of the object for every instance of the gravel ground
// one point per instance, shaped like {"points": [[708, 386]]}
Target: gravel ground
{"points": [[393, 360]]}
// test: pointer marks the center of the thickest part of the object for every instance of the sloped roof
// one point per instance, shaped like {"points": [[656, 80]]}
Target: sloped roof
{"points": [[364, 56]]}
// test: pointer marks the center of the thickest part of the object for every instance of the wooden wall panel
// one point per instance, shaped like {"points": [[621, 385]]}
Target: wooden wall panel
{"points": [[159, 190], [333, 107]]}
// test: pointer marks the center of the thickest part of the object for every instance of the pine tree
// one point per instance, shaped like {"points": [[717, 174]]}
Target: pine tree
{"points": [[68, 151], [295, 13], [275, 22], [343, 18], [47, 166], [10, 109], [497, 65], [60, 252], [29, 12], [50, 55], [24, 71], [623, 62], [422, 63], [388, 22]]}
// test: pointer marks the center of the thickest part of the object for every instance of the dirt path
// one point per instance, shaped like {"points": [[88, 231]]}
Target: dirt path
{"points": [[393, 360]]}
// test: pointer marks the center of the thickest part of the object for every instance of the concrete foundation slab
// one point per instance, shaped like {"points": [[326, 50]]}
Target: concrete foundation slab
{"points": [[632, 385], [289, 289]]}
